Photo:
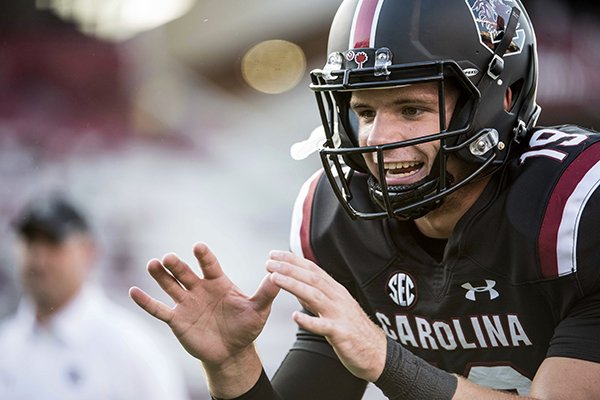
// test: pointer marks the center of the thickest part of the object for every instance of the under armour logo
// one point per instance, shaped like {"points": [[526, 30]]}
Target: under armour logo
{"points": [[470, 295]]}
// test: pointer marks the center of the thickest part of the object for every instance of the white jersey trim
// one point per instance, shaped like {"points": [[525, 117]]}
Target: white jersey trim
{"points": [[566, 248]]}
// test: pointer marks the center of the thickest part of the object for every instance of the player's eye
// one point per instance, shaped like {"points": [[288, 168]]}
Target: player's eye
{"points": [[364, 114], [412, 112]]}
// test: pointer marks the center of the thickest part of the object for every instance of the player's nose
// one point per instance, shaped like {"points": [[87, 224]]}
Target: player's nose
{"points": [[384, 129]]}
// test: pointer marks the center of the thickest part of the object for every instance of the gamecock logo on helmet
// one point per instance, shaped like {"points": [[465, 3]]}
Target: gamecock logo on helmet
{"points": [[491, 18], [358, 57]]}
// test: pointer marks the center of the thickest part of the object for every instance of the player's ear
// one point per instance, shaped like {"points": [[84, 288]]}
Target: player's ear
{"points": [[508, 99]]}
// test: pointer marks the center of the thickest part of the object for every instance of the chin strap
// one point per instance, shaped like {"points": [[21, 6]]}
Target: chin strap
{"points": [[403, 196]]}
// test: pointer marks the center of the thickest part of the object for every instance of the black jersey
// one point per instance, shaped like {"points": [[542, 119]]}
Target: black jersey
{"points": [[518, 280]]}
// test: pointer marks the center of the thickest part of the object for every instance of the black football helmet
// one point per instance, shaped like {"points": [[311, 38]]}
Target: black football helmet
{"points": [[483, 47]]}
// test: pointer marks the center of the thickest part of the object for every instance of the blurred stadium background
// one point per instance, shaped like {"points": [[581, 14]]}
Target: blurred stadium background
{"points": [[171, 122]]}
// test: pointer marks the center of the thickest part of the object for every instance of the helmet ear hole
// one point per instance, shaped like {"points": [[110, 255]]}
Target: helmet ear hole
{"points": [[350, 139], [461, 113], [352, 123], [347, 118], [515, 93], [348, 130]]}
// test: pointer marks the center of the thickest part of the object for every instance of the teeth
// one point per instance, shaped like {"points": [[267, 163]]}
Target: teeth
{"points": [[400, 165], [401, 168], [398, 175]]}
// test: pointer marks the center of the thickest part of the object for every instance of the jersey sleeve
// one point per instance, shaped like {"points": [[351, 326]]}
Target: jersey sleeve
{"points": [[569, 246], [578, 334], [312, 370], [301, 218]]}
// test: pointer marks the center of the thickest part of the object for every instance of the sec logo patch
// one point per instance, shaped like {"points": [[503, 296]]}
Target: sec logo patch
{"points": [[401, 289]]}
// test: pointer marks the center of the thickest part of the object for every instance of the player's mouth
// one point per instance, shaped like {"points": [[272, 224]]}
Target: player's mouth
{"points": [[403, 172]]}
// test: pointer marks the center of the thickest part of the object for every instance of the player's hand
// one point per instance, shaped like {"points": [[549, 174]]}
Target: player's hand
{"points": [[212, 318], [358, 342]]}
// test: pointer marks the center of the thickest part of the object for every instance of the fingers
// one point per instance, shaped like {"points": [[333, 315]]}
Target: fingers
{"points": [[291, 258], [211, 269], [309, 296], [300, 268], [317, 325], [175, 276], [185, 275], [265, 294], [151, 305], [313, 287], [180, 270], [165, 280], [310, 289]]}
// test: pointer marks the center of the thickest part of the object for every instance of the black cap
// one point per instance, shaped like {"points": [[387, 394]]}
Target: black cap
{"points": [[51, 217]]}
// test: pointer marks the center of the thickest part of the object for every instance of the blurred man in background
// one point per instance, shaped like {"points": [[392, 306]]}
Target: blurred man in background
{"points": [[67, 339]]}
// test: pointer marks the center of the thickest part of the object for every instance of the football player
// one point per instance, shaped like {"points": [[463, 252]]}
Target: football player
{"points": [[447, 249]]}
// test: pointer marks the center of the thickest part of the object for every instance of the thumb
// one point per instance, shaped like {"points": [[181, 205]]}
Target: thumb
{"points": [[265, 294]]}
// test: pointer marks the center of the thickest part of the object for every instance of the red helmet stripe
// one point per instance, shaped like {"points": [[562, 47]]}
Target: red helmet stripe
{"points": [[364, 24], [558, 236]]}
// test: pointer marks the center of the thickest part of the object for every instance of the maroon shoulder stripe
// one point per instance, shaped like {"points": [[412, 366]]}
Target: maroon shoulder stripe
{"points": [[557, 241]]}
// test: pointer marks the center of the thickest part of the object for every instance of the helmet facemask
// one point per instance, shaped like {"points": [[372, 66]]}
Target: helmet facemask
{"points": [[342, 156]]}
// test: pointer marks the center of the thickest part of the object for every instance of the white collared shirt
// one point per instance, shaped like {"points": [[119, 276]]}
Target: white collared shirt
{"points": [[91, 349]]}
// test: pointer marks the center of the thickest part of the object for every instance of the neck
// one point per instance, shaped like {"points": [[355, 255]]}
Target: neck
{"points": [[45, 310], [440, 223], [43, 316]]}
